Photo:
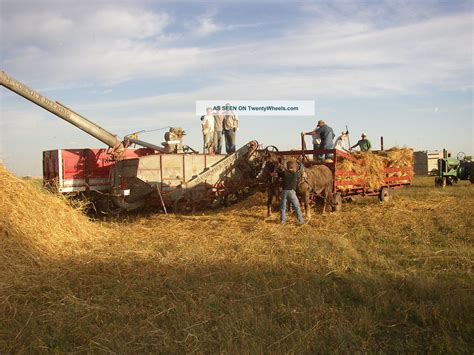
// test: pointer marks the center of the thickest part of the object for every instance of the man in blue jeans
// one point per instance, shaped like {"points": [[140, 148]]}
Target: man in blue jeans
{"points": [[231, 126], [290, 178], [327, 136]]}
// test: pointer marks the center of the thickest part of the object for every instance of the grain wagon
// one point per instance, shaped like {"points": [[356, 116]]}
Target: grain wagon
{"points": [[352, 176]]}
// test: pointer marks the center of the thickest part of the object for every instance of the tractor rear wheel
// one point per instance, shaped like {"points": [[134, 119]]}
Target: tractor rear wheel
{"points": [[440, 181]]}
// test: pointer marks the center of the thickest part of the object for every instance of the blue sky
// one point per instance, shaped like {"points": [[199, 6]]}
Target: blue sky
{"points": [[401, 69]]}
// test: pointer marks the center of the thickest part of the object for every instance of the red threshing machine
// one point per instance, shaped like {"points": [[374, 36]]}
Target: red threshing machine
{"points": [[121, 178]]}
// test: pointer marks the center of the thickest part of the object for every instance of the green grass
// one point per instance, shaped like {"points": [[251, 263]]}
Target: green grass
{"points": [[393, 277]]}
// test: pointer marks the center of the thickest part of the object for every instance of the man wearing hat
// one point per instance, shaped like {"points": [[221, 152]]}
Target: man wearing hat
{"points": [[326, 135], [363, 144]]}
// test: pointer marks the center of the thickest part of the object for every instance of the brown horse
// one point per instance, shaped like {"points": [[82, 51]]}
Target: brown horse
{"points": [[316, 180]]}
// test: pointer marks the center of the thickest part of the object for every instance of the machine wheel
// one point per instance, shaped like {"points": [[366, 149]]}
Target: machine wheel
{"points": [[184, 205], [231, 198], [105, 206], [271, 148], [337, 202], [384, 195]]}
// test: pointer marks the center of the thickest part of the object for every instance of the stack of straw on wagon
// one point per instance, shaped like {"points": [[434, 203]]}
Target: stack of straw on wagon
{"points": [[369, 166]]}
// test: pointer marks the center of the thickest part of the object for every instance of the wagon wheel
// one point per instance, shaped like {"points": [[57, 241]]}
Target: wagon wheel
{"points": [[337, 202], [384, 195], [184, 205]]}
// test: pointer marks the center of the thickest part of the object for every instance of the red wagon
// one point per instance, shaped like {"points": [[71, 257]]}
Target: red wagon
{"points": [[347, 182]]}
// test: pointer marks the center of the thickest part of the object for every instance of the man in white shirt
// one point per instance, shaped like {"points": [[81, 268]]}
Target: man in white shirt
{"points": [[208, 131]]}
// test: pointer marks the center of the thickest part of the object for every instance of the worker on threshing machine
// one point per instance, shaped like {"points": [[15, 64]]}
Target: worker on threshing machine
{"points": [[327, 136], [207, 126], [363, 144], [218, 128], [290, 178], [231, 126]]}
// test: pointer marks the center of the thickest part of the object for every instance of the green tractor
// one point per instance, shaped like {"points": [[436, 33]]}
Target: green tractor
{"points": [[450, 170]]}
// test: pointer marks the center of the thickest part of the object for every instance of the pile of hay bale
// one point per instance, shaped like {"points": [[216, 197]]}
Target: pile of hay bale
{"points": [[369, 166]]}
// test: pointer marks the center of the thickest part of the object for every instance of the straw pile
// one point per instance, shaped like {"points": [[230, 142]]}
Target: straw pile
{"points": [[372, 166], [399, 157], [37, 222]]}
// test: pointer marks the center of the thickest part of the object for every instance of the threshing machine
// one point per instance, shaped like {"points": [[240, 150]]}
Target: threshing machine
{"points": [[121, 178]]}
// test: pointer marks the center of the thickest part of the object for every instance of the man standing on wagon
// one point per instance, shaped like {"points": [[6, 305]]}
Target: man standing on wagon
{"points": [[327, 136], [363, 144]]}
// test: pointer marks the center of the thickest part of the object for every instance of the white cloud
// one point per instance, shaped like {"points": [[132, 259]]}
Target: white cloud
{"points": [[206, 26], [108, 45], [126, 41]]}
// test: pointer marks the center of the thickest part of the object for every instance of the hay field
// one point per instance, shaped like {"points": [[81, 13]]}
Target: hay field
{"points": [[393, 277]]}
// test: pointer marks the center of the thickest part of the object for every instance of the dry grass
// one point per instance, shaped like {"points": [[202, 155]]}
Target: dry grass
{"points": [[393, 277]]}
